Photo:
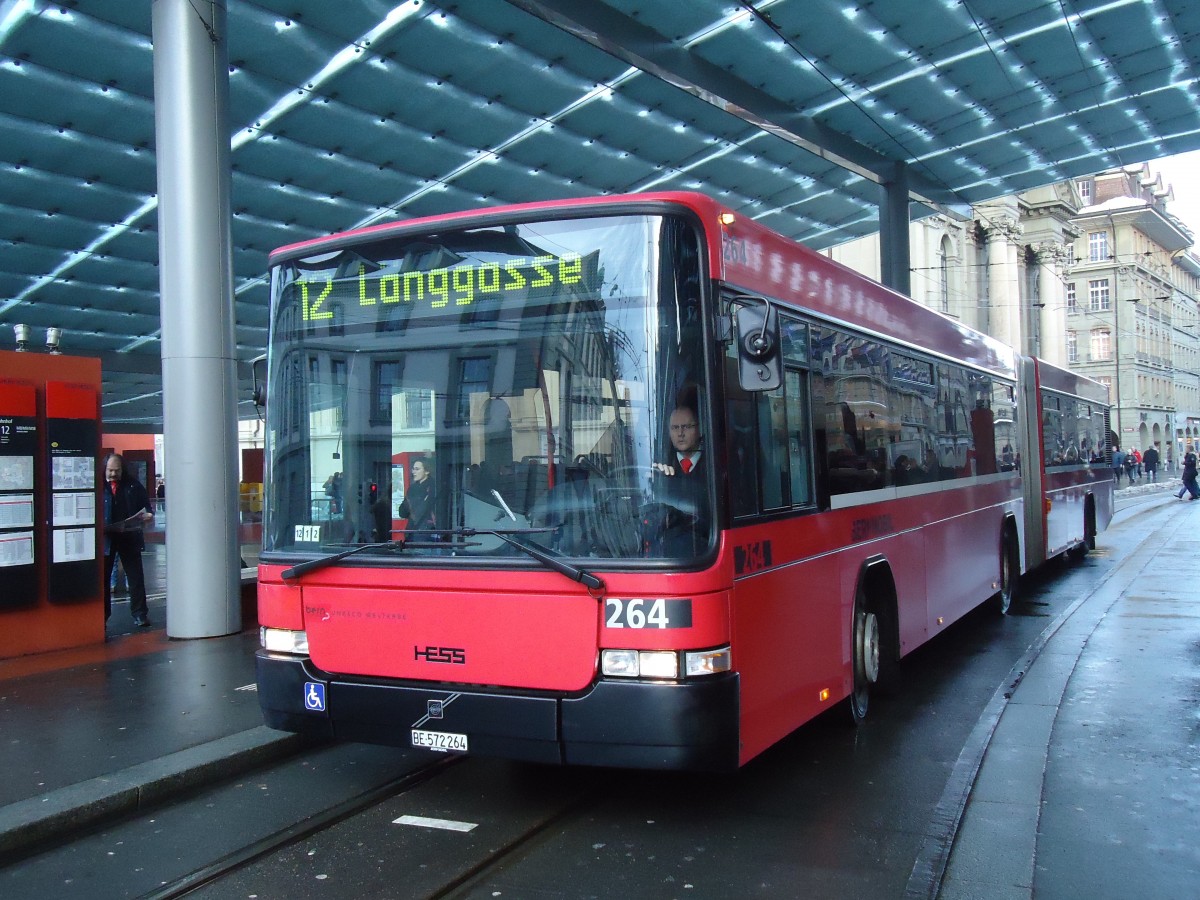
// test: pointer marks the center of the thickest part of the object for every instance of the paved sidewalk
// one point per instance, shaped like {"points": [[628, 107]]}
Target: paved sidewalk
{"points": [[1088, 771]]}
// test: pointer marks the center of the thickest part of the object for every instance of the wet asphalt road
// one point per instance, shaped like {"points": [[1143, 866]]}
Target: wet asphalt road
{"points": [[832, 811]]}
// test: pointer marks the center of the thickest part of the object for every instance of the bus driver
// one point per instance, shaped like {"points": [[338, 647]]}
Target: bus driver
{"points": [[681, 526], [685, 438]]}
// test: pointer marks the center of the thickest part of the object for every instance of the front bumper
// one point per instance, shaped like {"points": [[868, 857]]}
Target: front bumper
{"points": [[690, 725]]}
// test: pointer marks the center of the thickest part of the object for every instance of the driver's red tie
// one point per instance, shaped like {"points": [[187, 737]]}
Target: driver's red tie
{"points": [[686, 465]]}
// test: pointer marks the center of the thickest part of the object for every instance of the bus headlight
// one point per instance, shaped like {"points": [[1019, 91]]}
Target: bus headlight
{"points": [[664, 663], [279, 640], [640, 663]]}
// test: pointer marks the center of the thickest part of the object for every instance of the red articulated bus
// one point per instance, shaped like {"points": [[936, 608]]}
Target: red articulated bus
{"points": [[862, 472]]}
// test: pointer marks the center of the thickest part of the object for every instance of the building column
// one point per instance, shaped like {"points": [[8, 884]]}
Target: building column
{"points": [[1052, 294], [1004, 288], [191, 122]]}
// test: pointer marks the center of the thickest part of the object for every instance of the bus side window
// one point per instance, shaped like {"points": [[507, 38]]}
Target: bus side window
{"points": [[769, 440], [773, 440], [743, 460], [798, 437]]}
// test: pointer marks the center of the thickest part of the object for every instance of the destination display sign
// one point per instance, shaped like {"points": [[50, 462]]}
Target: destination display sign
{"points": [[373, 294]]}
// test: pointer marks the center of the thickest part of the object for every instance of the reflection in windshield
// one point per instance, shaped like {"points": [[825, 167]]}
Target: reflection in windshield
{"points": [[434, 389]]}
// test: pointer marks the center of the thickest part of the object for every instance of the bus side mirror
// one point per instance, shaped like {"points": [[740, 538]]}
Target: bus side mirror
{"points": [[758, 346], [258, 377]]}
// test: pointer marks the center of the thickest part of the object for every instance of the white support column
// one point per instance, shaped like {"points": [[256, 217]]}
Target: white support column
{"points": [[1052, 294], [191, 118], [1004, 292]]}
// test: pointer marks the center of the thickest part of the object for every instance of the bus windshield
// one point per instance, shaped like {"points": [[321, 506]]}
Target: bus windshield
{"points": [[541, 379]]}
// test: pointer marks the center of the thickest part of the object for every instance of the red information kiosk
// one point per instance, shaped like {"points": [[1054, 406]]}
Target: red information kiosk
{"points": [[51, 595]]}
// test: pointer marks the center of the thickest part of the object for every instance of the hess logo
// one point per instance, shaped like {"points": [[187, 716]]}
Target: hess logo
{"points": [[453, 655]]}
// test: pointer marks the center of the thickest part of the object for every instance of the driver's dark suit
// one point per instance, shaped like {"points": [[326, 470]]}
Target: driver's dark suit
{"points": [[678, 525]]}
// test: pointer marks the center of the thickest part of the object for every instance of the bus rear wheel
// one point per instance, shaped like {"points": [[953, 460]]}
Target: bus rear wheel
{"points": [[1010, 572], [865, 653]]}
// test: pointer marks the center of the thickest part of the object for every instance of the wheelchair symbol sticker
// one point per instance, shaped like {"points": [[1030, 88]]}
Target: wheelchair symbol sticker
{"points": [[314, 696]]}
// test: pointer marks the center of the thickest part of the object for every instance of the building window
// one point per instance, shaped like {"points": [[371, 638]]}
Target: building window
{"points": [[386, 375], [1097, 246], [1085, 191], [337, 377], [1071, 296], [1101, 344], [474, 378], [418, 409], [1072, 347], [1098, 294]]}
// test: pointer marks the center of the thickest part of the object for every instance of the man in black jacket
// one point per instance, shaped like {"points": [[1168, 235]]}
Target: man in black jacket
{"points": [[1150, 462], [127, 509]]}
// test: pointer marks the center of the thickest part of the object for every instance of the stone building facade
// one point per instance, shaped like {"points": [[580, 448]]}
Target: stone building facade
{"points": [[1095, 275]]}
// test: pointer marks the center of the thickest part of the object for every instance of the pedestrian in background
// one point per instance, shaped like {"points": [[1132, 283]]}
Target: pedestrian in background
{"points": [[1118, 464], [126, 511], [1189, 476], [1150, 461]]}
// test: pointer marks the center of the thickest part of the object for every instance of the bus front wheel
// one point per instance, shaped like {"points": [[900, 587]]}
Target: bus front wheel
{"points": [[865, 653]]}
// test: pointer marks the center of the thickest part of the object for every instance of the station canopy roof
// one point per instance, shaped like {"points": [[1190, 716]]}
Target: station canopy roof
{"points": [[361, 111]]}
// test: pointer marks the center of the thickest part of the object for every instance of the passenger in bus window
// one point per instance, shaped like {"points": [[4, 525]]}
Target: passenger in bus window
{"points": [[902, 472], [381, 513], [333, 490], [1007, 459], [931, 466], [418, 504]]}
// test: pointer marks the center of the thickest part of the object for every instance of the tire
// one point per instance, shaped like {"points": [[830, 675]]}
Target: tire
{"points": [[1010, 573], [1080, 551], [864, 652]]}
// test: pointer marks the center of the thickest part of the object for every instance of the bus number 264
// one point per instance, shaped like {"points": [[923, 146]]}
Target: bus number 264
{"points": [[647, 613]]}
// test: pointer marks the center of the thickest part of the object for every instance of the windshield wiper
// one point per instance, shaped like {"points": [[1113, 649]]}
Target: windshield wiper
{"points": [[300, 568], [582, 576], [576, 574]]}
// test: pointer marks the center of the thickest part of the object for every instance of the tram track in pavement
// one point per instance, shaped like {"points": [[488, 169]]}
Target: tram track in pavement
{"points": [[213, 872], [515, 806]]}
